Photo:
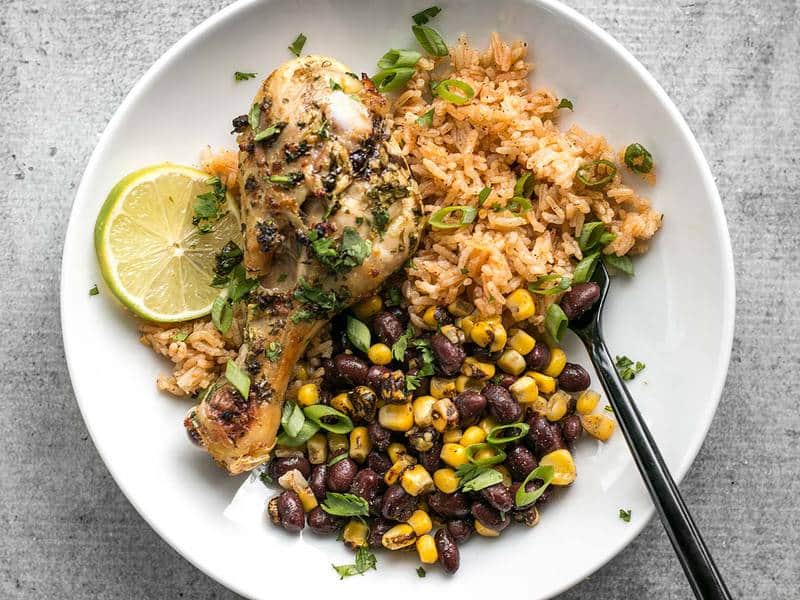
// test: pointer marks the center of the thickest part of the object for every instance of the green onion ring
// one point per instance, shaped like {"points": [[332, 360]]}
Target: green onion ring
{"points": [[585, 268], [518, 205], [524, 185], [485, 462], [521, 428], [318, 412], [585, 174], [390, 80], [437, 219], [394, 59], [555, 321], [443, 91], [308, 429], [544, 472]]}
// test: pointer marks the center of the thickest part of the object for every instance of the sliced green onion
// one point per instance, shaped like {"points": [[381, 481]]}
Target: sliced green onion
{"points": [[638, 158], [596, 174], [565, 103], [426, 120], [562, 286], [544, 472], [238, 378], [398, 58], [473, 449], [222, 314], [269, 132], [254, 117], [337, 458], [607, 238], [430, 39], [358, 334], [292, 418], [520, 429], [426, 15], [484, 195], [443, 90], [391, 80], [555, 321], [524, 186], [590, 236], [585, 269], [485, 479], [322, 415], [620, 263], [518, 205], [308, 429], [437, 219]]}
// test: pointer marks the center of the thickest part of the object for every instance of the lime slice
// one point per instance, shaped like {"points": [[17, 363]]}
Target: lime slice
{"points": [[152, 256]]}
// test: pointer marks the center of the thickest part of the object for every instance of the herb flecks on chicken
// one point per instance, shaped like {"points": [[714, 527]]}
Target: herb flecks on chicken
{"points": [[330, 211]]}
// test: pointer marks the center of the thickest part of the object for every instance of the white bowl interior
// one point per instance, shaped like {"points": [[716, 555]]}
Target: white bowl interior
{"points": [[676, 315]]}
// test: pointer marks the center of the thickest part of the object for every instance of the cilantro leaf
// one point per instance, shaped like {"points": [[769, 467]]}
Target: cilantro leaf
{"points": [[243, 76], [345, 505], [365, 560], [627, 368]]}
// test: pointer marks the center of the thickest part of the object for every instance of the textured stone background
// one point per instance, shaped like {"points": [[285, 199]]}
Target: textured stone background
{"points": [[66, 531]]}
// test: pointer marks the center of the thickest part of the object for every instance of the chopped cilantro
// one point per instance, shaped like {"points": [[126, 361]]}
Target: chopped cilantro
{"points": [[341, 255], [421, 572], [242, 76], [334, 85], [93, 291], [565, 103], [365, 560], [208, 206], [627, 368], [625, 515], [287, 181], [394, 297], [273, 351], [180, 336], [297, 45]]}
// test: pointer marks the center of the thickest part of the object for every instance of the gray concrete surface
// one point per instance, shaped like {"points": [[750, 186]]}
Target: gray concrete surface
{"points": [[66, 531]]}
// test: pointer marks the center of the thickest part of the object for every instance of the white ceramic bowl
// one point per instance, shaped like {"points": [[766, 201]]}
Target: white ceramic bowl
{"points": [[676, 315]]}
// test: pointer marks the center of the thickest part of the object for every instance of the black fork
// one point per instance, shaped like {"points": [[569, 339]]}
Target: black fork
{"points": [[703, 575]]}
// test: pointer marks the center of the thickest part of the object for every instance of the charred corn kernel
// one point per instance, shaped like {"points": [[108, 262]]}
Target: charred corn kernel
{"points": [[360, 444], [317, 448], [500, 337], [557, 406], [396, 417], [420, 521], [524, 390], [307, 499], [598, 426], [416, 480], [465, 324], [587, 401], [452, 436], [396, 471], [337, 443], [485, 531], [355, 533], [482, 333], [557, 361], [507, 481], [464, 383], [454, 455], [395, 451], [539, 405], [423, 410], [473, 435], [446, 480], [453, 333], [308, 394], [481, 371], [379, 354], [485, 453], [285, 451], [442, 388], [366, 309], [429, 317], [294, 480], [426, 549], [444, 415], [399, 536], [342, 403], [460, 308], [521, 305], [563, 465], [487, 424], [300, 372], [520, 341], [511, 362], [545, 383]]}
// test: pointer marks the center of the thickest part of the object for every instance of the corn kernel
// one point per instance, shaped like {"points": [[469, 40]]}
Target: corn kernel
{"points": [[481, 371], [442, 388], [482, 333], [465, 324], [300, 372], [342, 403], [317, 448], [366, 309], [420, 522], [399, 536], [473, 435], [520, 341], [507, 481], [444, 415], [452, 436], [426, 549], [587, 401], [307, 499], [485, 454], [557, 406], [308, 394], [446, 480], [557, 361], [416, 480], [500, 337], [524, 390], [485, 531], [423, 409], [429, 317], [521, 304], [545, 383], [563, 465], [396, 417], [360, 444], [454, 455], [598, 426], [511, 362], [396, 471], [487, 424], [539, 405], [380, 354], [464, 383], [460, 308], [453, 334], [395, 451], [294, 480], [355, 533], [337, 443]]}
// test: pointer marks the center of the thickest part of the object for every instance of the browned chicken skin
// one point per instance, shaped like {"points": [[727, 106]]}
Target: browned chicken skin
{"points": [[329, 211]]}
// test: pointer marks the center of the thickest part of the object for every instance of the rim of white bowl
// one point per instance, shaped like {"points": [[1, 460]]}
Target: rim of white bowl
{"points": [[720, 223]]}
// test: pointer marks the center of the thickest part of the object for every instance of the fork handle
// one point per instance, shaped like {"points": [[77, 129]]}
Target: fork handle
{"points": [[703, 575]]}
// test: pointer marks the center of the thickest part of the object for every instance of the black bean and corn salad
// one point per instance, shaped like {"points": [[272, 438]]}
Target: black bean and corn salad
{"points": [[420, 438]]}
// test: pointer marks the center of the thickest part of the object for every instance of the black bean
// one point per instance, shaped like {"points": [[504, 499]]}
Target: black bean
{"points": [[502, 405], [574, 378], [281, 466], [291, 512], [323, 523], [450, 506], [400, 314], [571, 428], [449, 356], [387, 328], [538, 358], [378, 527], [489, 516], [498, 496], [521, 461], [379, 462], [374, 375], [351, 369], [460, 529], [470, 405], [341, 475], [430, 458], [317, 481], [380, 436], [579, 299], [544, 436], [367, 484], [507, 380], [397, 504], [447, 549]]}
